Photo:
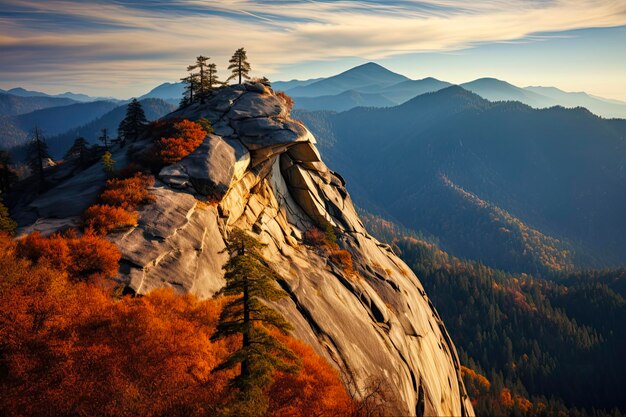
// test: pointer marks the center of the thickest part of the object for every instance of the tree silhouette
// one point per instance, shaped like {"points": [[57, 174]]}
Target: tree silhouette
{"points": [[212, 78], [80, 149], [37, 152], [202, 87], [250, 281], [191, 85], [7, 176], [105, 138], [133, 124], [239, 65]]}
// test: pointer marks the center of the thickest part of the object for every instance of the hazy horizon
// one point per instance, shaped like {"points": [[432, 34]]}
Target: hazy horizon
{"points": [[130, 47]]}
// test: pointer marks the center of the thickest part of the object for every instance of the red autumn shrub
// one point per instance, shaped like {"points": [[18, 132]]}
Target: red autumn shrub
{"points": [[104, 218], [342, 259], [314, 237], [129, 193], [84, 258], [188, 137]]}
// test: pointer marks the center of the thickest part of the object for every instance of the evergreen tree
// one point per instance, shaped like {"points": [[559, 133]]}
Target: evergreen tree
{"points": [[202, 84], [251, 282], [105, 138], [79, 149], [212, 77], [133, 125], [37, 152], [7, 175], [239, 66], [191, 85]]}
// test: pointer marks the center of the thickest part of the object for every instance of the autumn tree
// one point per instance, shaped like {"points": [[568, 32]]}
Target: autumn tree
{"points": [[7, 224], [239, 66], [79, 149], [251, 283], [134, 124], [37, 153], [108, 163]]}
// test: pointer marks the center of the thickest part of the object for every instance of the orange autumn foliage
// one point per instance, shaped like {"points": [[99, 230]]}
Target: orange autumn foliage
{"points": [[188, 137], [70, 348], [316, 390], [87, 257], [129, 193], [104, 218], [287, 99], [342, 259]]}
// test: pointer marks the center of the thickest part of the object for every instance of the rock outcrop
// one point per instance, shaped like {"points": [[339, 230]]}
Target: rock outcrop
{"points": [[260, 171]]}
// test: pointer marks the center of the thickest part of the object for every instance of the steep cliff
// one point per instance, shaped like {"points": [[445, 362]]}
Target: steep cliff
{"points": [[260, 171]]}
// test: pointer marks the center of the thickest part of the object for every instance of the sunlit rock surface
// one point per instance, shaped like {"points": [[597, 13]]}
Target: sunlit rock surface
{"points": [[260, 171]]}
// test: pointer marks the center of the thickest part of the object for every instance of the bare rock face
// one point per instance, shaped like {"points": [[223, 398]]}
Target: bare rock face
{"points": [[264, 174]]}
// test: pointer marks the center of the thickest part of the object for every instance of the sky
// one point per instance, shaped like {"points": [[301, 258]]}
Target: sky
{"points": [[124, 48]]}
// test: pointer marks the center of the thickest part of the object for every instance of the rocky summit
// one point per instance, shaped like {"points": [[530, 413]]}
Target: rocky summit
{"points": [[260, 171]]}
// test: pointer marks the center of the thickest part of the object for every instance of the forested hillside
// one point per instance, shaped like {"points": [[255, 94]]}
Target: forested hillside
{"points": [[555, 343]]}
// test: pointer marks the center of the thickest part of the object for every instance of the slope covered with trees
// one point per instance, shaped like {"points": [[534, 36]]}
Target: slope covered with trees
{"points": [[556, 171], [557, 345]]}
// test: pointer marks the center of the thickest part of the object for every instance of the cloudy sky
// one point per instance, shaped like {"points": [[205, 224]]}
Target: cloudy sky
{"points": [[125, 47]]}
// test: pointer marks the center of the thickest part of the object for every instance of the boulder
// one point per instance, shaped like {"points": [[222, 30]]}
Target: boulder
{"points": [[215, 165], [251, 105]]}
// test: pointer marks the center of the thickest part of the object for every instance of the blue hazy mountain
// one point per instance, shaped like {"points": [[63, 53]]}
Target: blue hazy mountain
{"points": [[166, 91], [16, 130], [518, 188], [343, 101], [22, 92], [406, 90], [597, 105], [11, 105], [493, 89], [287, 85], [366, 75]]}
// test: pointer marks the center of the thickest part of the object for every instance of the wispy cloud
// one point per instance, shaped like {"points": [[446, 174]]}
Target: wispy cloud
{"points": [[132, 44]]}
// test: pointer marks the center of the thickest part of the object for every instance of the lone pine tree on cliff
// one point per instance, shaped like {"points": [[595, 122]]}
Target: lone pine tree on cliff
{"points": [[251, 282], [37, 153], [239, 66], [133, 124]]}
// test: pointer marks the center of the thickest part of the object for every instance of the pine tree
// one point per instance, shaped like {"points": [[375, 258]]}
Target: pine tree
{"points": [[212, 77], [202, 87], [79, 149], [7, 175], [251, 281], [191, 85], [105, 138], [239, 66], [133, 124], [37, 152]]}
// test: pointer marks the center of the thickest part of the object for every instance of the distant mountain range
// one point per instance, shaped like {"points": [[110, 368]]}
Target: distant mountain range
{"points": [[523, 189], [22, 92]]}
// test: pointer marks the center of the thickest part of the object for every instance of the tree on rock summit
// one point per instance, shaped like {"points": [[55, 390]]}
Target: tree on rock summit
{"points": [[239, 66], [134, 124], [37, 153], [250, 281]]}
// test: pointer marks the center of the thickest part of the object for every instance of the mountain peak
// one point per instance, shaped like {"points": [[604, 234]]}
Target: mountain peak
{"points": [[260, 171]]}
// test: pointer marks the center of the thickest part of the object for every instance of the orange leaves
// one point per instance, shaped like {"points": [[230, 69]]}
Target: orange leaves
{"points": [[342, 259], [129, 193], [188, 137], [316, 390], [104, 218], [314, 237], [120, 200], [84, 258]]}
